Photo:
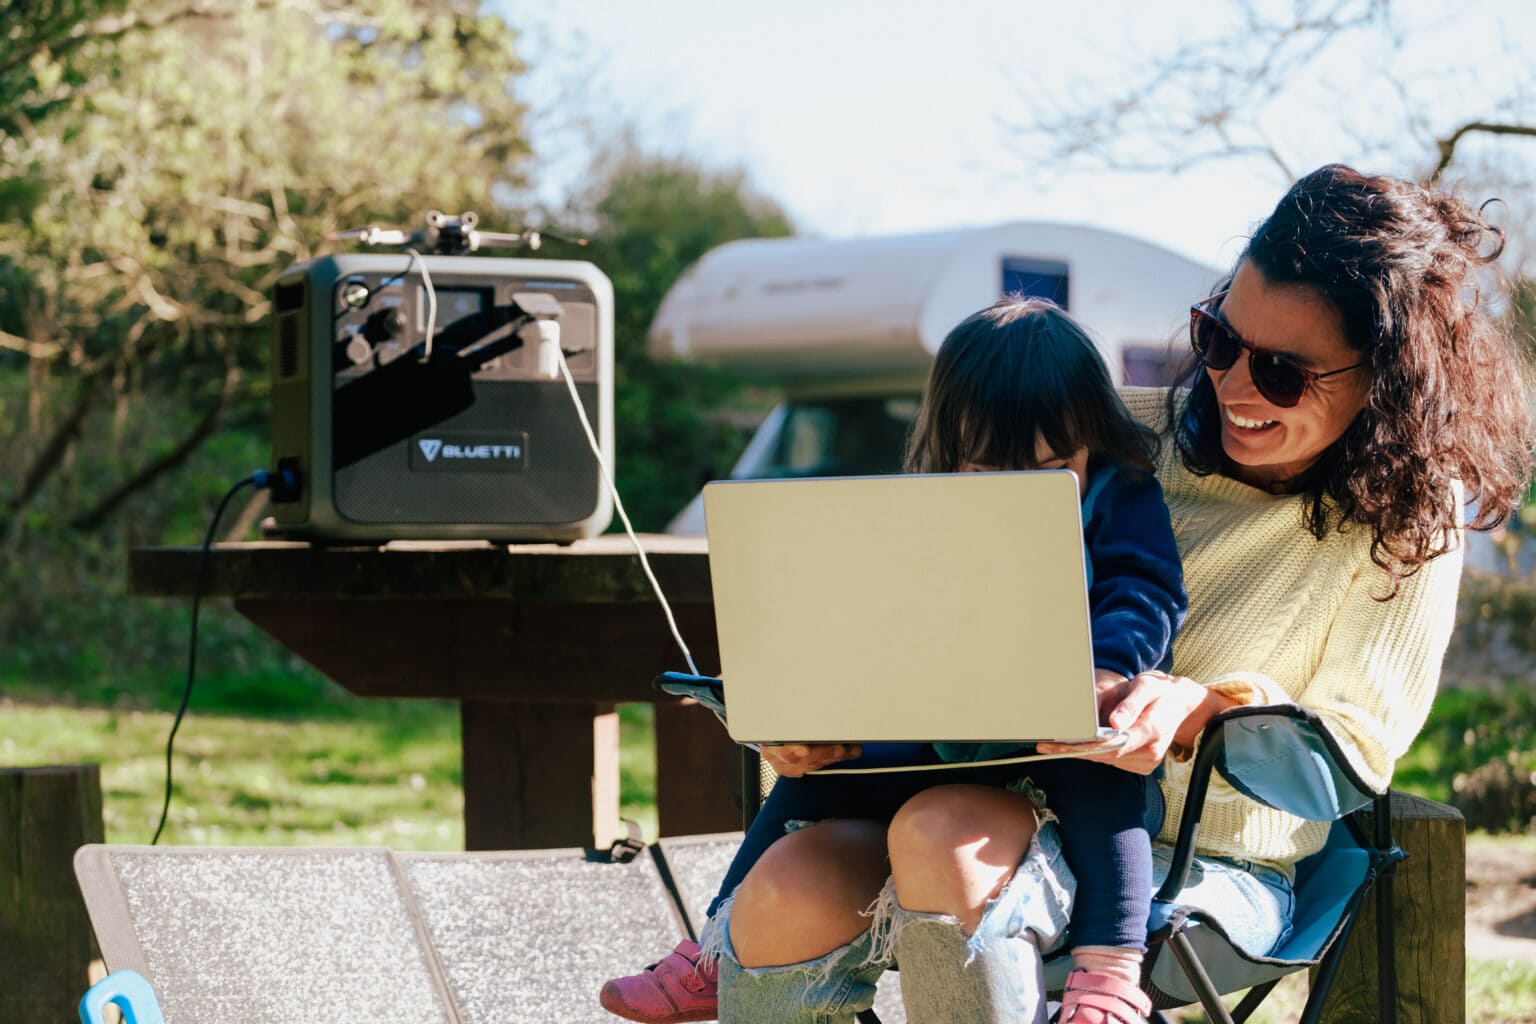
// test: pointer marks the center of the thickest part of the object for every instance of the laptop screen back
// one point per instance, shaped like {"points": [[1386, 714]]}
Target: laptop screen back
{"points": [[922, 607]]}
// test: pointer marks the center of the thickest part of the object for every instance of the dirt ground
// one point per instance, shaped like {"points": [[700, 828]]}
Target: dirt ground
{"points": [[1501, 901]]}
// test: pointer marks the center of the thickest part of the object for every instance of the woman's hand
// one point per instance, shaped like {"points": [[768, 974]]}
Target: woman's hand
{"points": [[1157, 710], [793, 760]]}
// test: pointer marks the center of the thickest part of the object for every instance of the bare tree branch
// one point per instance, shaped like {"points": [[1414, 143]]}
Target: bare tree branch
{"points": [[33, 349], [1447, 145], [96, 516], [249, 514], [51, 456], [1207, 100]]}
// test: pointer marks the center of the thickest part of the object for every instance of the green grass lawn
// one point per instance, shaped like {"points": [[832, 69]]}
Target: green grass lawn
{"points": [[388, 776]]}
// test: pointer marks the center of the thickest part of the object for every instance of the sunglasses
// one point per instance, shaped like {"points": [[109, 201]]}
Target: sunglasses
{"points": [[1279, 378]]}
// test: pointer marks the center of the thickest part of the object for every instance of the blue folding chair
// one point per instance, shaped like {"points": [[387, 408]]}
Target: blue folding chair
{"points": [[1282, 756]]}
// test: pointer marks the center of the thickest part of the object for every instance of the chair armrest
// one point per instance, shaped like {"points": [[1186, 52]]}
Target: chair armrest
{"points": [[1281, 755], [1285, 757]]}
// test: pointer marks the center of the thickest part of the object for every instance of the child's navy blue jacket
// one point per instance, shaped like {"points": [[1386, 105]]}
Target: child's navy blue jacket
{"points": [[1136, 599]]}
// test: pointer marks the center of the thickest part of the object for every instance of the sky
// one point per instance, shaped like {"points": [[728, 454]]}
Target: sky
{"points": [[865, 118]]}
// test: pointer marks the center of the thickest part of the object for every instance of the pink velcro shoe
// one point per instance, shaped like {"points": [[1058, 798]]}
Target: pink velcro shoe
{"points": [[677, 989], [1102, 999]]}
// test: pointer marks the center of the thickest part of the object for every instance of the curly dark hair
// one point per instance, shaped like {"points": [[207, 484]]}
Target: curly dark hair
{"points": [[1024, 365], [1405, 267]]}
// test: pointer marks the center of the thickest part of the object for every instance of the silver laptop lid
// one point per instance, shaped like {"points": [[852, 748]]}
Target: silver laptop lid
{"points": [[919, 607]]}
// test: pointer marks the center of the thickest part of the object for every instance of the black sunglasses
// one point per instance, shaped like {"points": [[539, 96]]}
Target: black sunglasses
{"points": [[1278, 377]]}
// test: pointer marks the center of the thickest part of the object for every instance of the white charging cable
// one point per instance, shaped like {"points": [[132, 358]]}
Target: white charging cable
{"points": [[426, 284], [618, 503], [550, 356]]}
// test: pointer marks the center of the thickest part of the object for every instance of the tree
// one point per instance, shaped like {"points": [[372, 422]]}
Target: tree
{"points": [[169, 163], [1218, 97], [37, 54], [648, 219]]}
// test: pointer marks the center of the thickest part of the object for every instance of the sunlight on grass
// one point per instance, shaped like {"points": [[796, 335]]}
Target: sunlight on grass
{"points": [[250, 782], [1282, 1007], [382, 779], [637, 768], [1502, 990], [1498, 990]]}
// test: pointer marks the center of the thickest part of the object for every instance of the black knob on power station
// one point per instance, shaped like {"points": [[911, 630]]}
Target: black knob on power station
{"points": [[384, 325]]}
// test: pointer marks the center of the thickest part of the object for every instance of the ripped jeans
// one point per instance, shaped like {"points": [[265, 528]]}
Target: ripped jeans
{"points": [[996, 973]]}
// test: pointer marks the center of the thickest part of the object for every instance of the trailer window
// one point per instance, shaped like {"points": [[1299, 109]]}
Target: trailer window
{"points": [[1038, 279]]}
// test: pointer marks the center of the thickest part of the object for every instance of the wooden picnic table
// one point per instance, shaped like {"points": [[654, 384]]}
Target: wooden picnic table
{"points": [[538, 643]]}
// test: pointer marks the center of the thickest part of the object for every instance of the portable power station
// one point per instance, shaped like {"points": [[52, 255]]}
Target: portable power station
{"points": [[421, 397]]}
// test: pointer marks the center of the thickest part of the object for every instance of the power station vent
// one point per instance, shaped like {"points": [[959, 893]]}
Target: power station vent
{"points": [[287, 345]]}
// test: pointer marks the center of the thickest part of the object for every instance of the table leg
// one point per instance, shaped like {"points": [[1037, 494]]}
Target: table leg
{"points": [[540, 775], [698, 769]]}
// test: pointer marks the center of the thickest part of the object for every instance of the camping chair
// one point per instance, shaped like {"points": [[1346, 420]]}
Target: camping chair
{"points": [[1282, 756]]}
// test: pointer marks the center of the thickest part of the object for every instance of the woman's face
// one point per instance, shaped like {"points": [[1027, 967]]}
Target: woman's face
{"points": [[1265, 443]]}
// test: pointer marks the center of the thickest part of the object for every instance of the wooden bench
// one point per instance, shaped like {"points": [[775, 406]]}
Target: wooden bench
{"points": [[45, 939]]}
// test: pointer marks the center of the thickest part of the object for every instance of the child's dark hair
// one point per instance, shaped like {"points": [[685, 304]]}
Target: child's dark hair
{"points": [[1018, 370]]}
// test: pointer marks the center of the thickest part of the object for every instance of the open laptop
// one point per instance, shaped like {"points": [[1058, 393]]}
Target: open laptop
{"points": [[945, 607]]}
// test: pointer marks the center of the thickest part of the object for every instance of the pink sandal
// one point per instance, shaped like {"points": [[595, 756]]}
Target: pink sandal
{"points": [[1102, 999]]}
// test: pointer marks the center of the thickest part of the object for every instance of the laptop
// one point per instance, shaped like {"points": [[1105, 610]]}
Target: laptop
{"points": [[915, 608]]}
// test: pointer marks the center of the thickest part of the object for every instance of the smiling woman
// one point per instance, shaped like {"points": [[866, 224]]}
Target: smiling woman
{"points": [[1389, 281]]}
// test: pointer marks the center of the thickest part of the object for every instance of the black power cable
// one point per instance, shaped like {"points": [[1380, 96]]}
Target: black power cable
{"points": [[284, 481]]}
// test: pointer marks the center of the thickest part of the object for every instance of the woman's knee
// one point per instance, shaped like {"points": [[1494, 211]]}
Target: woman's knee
{"points": [[807, 895], [954, 847]]}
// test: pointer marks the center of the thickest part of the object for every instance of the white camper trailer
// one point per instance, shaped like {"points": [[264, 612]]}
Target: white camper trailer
{"points": [[848, 327]]}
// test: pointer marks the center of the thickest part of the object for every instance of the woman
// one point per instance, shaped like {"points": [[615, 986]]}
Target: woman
{"points": [[1352, 396]]}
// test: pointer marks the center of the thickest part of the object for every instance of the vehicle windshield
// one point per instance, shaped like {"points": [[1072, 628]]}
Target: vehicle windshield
{"points": [[863, 436]]}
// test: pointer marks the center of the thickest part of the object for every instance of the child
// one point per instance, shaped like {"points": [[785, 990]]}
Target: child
{"points": [[1017, 386]]}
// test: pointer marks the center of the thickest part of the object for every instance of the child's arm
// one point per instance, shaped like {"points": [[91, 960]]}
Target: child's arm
{"points": [[1137, 600]]}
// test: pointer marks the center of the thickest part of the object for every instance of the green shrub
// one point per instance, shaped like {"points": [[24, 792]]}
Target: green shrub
{"points": [[1466, 731]]}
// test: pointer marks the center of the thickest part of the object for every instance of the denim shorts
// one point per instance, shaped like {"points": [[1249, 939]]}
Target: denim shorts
{"points": [[1253, 903]]}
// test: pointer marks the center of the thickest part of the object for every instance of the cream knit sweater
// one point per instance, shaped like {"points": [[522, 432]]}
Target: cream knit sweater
{"points": [[1277, 616]]}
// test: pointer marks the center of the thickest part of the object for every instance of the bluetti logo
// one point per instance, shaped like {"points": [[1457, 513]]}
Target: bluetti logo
{"points": [[461, 452]]}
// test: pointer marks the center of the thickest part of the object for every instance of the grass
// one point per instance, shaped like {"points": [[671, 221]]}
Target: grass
{"points": [[389, 775], [1466, 729], [1502, 990]]}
